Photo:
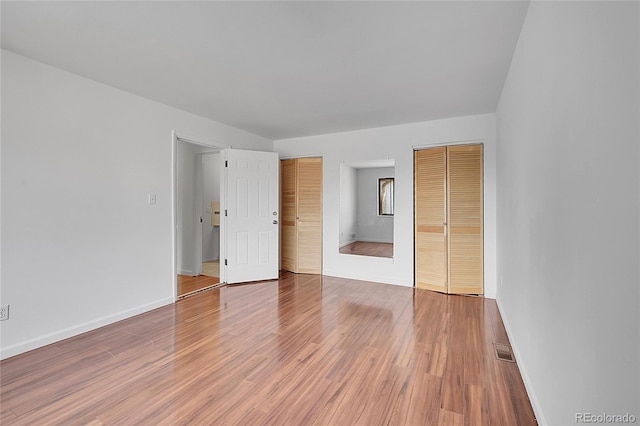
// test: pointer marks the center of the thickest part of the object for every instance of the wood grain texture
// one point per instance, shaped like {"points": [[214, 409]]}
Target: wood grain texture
{"points": [[288, 215], [465, 219], [301, 350], [449, 219], [430, 186], [188, 284], [367, 248], [301, 215], [309, 191]]}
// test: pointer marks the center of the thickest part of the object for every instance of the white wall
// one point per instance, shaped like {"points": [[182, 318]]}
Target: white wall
{"points": [[348, 204], [568, 208], [394, 142], [81, 247], [370, 226], [210, 234]]}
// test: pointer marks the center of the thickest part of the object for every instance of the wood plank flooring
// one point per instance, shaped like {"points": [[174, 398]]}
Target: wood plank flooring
{"points": [[188, 284], [365, 248], [301, 350]]}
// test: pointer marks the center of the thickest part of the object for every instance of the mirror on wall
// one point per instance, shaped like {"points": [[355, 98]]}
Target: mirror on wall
{"points": [[367, 190]]}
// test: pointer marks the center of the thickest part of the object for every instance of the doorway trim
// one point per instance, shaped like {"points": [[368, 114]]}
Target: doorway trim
{"points": [[214, 146]]}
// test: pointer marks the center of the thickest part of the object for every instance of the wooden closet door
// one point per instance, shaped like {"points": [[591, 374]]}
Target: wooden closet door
{"points": [[309, 215], [430, 222], [288, 216], [465, 211]]}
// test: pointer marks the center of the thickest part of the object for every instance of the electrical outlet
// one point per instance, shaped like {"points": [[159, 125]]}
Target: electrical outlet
{"points": [[4, 312]]}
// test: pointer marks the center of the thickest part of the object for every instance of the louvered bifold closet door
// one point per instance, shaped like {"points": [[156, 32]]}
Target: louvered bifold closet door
{"points": [[288, 216], [430, 233], [464, 170], [309, 215]]}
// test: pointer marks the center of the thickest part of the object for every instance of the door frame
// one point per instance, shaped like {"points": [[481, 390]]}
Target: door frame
{"points": [[214, 146]]}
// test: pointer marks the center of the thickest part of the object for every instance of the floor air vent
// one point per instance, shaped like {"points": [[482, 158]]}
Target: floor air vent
{"points": [[202, 290], [503, 352]]}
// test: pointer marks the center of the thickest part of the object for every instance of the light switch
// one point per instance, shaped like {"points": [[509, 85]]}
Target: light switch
{"points": [[152, 199]]}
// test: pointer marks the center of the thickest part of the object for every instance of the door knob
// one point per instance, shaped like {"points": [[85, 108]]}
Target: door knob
{"points": [[275, 222]]}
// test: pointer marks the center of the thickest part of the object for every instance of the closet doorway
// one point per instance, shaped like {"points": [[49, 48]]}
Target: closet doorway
{"points": [[301, 207], [448, 233]]}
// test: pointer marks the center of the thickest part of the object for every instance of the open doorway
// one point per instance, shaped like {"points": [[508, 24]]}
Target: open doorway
{"points": [[197, 183], [208, 166]]}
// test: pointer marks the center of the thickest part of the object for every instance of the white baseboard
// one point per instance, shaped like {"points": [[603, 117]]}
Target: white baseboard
{"points": [[535, 404], [56, 336], [188, 272]]}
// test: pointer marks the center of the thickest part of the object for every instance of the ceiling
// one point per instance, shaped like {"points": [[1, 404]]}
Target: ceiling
{"points": [[282, 69]]}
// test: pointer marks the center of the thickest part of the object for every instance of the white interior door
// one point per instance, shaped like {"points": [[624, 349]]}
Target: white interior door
{"points": [[252, 204]]}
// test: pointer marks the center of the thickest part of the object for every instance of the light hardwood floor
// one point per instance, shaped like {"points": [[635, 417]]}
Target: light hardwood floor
{"points": [[189, 285], [302, 350], [364, 248], [210, 277]]}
